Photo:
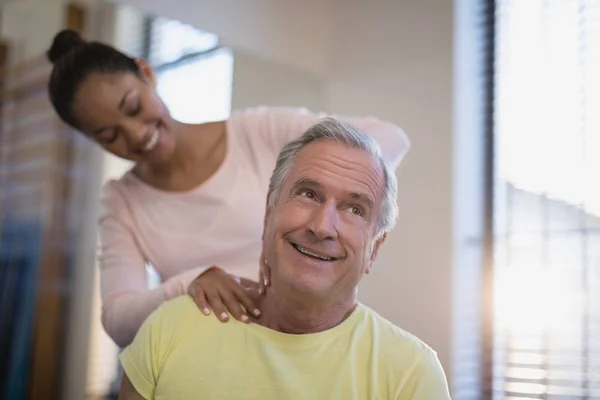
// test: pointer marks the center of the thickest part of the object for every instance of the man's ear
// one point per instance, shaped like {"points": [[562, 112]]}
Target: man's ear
{"points": [[146, 71], [267, 214], [375, 251]]}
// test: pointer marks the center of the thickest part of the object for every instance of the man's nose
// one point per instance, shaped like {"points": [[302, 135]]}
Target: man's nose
{"points": [[324, 222]]}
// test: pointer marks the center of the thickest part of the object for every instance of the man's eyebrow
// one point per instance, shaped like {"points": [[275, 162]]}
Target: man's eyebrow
{"points": [[308, 182], [353, 195], [362, 197], [121, 105]]}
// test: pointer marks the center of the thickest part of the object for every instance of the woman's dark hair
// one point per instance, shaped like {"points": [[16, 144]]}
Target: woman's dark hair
{"points": [[75, 59]]}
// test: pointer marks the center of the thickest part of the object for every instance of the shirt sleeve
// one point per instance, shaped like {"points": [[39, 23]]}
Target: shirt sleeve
{"points": [[141, 359], [159, 335], [126, 297], [277, 126], [427, 381]]}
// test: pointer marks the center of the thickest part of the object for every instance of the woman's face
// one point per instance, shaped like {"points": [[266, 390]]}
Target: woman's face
{"points": [[124, 114]]}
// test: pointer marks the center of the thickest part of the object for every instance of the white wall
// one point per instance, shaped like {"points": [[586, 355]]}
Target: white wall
{"points": [[289, 31], [261, 81], [25, 41], [394, 60], [47, 16]]}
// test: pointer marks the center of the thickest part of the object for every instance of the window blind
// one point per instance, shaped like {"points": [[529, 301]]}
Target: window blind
{"points": [[547, 200]]}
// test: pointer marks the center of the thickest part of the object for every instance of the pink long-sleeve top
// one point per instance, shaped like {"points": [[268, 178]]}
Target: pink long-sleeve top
{"points": [[182, 234]]}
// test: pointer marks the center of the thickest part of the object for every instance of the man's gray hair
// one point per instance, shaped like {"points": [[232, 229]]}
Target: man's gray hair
{"points": [[330, 129]]}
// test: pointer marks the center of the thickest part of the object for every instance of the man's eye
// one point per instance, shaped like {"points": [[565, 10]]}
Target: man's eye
{"points": [[356, 210], [307, 193]]}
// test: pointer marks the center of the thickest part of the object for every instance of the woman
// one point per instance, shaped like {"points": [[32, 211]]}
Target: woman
{"points": [[193, 204]]}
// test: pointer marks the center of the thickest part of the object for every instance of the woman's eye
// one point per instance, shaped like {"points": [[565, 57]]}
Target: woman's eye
{"points": [[108, 137], [112, 138], [136, 110]]}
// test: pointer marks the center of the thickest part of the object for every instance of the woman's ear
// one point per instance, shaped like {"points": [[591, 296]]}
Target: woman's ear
{"points": [[146, 71]]}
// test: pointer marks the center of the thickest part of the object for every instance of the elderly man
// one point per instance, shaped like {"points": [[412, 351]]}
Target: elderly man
{"points": [[331, 202]]}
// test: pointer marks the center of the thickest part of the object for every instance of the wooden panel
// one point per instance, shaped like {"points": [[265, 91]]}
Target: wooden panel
{"points": [[4, 51], [75, 17], [53, 279]]}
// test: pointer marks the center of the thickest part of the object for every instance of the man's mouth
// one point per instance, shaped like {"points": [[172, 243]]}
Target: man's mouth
{"points": [[312, 254]]}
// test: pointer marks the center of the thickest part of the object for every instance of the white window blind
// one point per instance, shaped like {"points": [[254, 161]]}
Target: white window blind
{"points": [[170, 41], [199, 89], [194, 73], [547, 202]]}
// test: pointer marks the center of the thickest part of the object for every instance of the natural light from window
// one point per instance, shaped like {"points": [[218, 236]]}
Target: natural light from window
{"points": [[547, 126], [199, 90], [548, 100]]}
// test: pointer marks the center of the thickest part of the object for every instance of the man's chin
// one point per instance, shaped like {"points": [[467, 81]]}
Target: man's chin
{"points": [[309, 287]]}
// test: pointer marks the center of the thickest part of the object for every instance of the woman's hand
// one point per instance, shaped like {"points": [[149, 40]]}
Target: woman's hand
{"points": [[223, 292]]}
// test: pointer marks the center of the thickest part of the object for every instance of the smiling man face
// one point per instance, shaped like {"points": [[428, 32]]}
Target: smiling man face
{"points": [[321, 233]]}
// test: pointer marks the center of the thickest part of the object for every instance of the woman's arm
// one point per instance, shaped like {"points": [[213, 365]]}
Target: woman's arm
{"points": [[277, 126], [126, 298]]}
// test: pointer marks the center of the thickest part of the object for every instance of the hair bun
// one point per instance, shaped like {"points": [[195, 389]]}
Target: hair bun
{"points": [[64, 42]]}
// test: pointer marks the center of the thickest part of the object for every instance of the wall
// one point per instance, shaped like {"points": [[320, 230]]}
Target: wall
{"points": [[261, 81], [47, 16], [26, 42], [291, 32], [394, 60]]}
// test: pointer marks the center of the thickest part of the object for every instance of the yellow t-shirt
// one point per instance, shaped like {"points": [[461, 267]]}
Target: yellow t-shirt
{"points": [[181, 354]]}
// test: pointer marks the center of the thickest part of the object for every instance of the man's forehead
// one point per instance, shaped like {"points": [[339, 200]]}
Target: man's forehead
{"points": [[328, 148], [334, 154], [332, 164]]}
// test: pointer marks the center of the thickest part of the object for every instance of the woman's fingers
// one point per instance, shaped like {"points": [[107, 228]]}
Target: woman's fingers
{"points": [[244, 297], [233, 306], [215, 301], [200, 299]]}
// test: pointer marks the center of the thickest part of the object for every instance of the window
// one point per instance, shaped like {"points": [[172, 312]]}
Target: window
{"points": [[194, 73], [199, 89], [547, 200], [169, 41]]}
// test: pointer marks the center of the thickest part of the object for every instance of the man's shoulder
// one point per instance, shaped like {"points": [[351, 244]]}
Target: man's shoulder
{"points": [[395, 342], [180, 316], [391, 331], [179, 306], [414, 365], [176, 316]]}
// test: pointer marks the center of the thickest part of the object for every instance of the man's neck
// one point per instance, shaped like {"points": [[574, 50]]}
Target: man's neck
{"points": [[303, 315]]}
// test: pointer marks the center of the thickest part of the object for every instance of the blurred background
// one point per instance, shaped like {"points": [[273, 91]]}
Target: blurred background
{"points": [[495, 262]]}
